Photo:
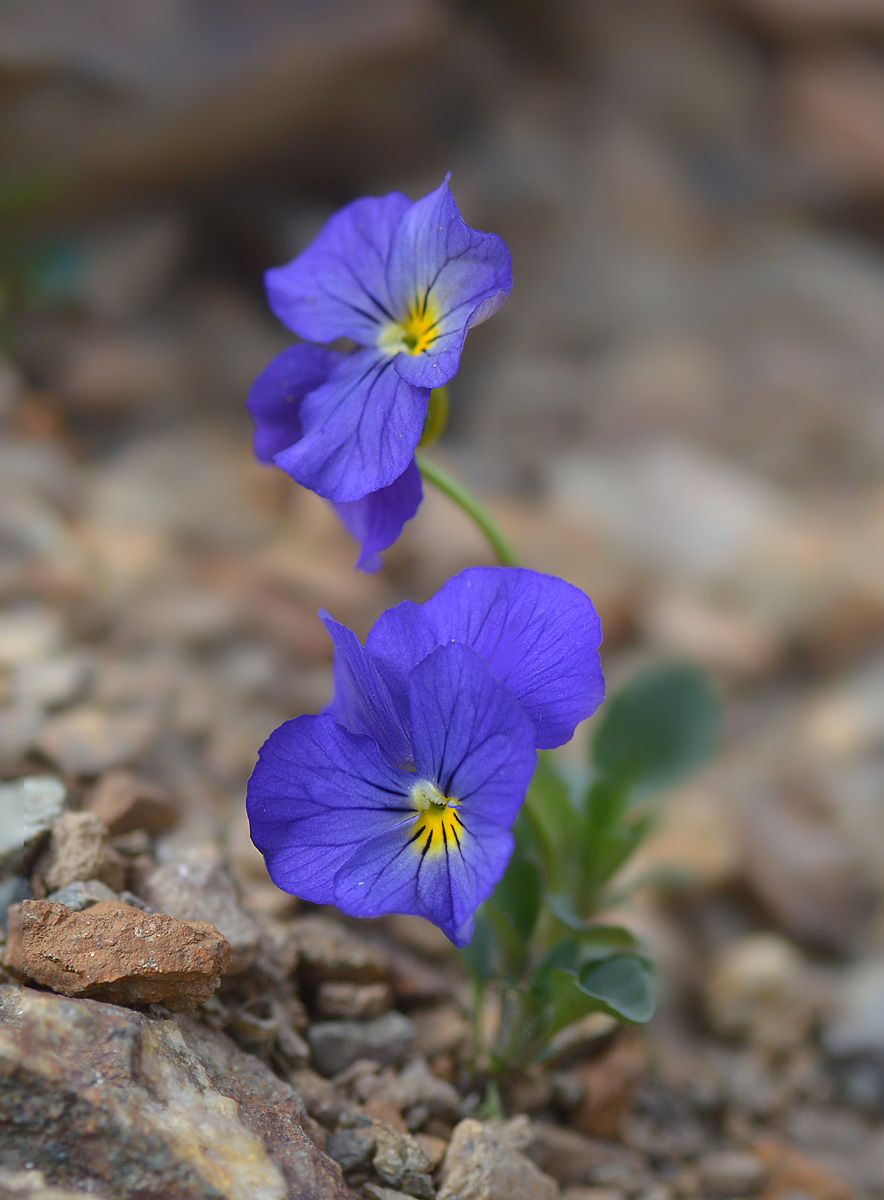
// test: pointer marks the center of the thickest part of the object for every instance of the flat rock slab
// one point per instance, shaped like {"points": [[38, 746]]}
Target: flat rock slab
{"points": [[114, 952], [119, 1103]]}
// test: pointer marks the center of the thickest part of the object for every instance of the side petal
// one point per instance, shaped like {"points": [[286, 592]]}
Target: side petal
{"points": [[274, 401], [316, 795], [540, 636], [361, 429], [337, 286], [458, 275], [362, 702], [377, 519]]}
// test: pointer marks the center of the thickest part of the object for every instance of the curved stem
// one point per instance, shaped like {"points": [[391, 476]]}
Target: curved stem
{"points": [[465, 500]]}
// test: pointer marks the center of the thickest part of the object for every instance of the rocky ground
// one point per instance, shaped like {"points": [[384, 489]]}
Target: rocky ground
{"points": [[681, 410]]}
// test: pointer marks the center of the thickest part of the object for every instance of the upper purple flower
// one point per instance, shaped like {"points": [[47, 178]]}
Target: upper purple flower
{"points": [[401, 796], [405, 281]]}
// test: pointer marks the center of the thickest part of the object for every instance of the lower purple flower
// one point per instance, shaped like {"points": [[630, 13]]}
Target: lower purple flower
{"points": [[339, 823], [402, 795]]}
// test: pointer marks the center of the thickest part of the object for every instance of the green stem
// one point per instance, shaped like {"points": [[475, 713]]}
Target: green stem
{"points": [[465, 500]]}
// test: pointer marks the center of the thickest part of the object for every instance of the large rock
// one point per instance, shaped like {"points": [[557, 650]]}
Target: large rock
{"points": [[114, 952], [152, 1107]]}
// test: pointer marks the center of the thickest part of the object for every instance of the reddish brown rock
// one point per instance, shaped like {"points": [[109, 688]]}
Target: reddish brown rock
{"points": [[791, 1173], [116, 953], [126, 802], [610, 1082]]}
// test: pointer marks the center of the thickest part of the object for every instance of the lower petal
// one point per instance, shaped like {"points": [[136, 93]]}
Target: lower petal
{"points": [[397, 872], [361, 429], [377, 519]]}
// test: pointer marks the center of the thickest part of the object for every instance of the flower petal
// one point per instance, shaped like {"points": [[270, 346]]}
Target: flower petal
{"points": [[390, 873], [539, 634], [362, 702], [458, 274], [470, 736], [472, 739], [337, 286], [274, 401], [361, 429], [377, 519], [317, 793]]}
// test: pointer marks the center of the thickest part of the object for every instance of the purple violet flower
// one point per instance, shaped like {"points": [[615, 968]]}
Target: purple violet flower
{"points": [[401, 796], [405, 281]]}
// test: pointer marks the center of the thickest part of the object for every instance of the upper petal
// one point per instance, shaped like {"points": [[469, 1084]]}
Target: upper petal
{"points": [[274, 401], [337, 286], [377, 519], [470, 736], [539, 634], [317, 793], [360, 429], [459, 275], [362, 702]]}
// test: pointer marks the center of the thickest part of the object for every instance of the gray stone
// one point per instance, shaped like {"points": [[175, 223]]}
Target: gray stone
{"points": [[483, 1162], [53, 682], [377, 1192], [857, 1024], [28, 809], [731, 1173], [183, 1113], [195, 887], [13, 889], [329, 951], [400, 1162], [420, 1094], [336, 1045], [351, 1148], [82, 893]]}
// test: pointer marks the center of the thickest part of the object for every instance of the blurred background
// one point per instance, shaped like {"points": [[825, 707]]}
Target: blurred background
{"points": [[681, 409]]}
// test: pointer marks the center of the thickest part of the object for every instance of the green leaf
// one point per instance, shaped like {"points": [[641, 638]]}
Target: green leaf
{"points": [[519, 895], [622, 986], [660, 727], [480, 954], [567, 1001], [554, 821]]}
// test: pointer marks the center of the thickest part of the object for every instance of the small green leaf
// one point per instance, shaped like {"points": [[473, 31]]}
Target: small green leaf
{"points": [[554, 821], [658, 728], [622, 985], [519, 895], [480, 954]]}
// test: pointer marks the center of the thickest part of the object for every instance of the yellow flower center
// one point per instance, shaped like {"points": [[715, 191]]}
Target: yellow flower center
{"points": [[414, 334], [438, 826]]}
